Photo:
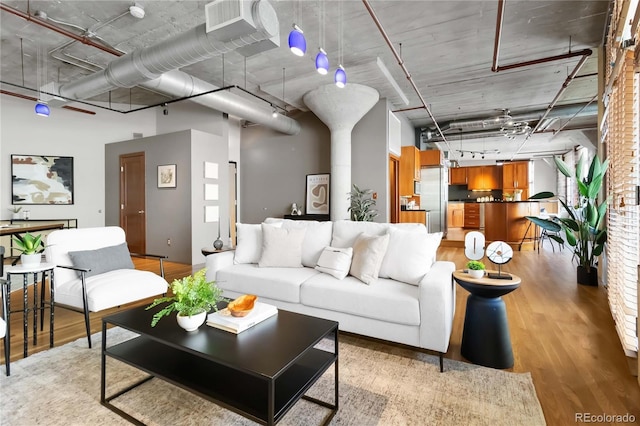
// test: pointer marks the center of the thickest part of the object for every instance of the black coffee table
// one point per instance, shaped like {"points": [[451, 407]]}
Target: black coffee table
{"points": [[260, 373]]}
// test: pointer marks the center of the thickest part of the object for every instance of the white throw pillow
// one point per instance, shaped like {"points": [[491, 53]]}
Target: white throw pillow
{"points": [[249, 246], [368, 252], [281, 248], [335, 261], [409, 255], [317, 237]]}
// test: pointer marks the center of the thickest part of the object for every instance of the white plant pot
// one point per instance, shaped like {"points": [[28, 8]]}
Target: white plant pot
{"points": [[193, 322], [476, 273], [30, 260]]}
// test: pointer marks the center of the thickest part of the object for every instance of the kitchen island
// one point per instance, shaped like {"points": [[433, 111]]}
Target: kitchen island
{"points": [[506, 221]]}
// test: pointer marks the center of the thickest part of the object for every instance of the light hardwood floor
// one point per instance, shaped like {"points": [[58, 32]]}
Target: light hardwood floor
{"points": [[562, 334]]}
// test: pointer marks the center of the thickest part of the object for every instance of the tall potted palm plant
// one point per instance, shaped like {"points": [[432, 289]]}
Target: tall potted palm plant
{"points": [[584, 228]]}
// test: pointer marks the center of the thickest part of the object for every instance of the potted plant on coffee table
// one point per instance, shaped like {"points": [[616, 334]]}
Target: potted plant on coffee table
{"points": [[193, 297], [30, 246], [584, 228]]}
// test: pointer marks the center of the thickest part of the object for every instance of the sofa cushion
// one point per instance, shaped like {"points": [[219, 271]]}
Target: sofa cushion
{"points": [[273, 283], [335, 261], [102, 260], [409, 255], [249, 245], [368, 252], [113, 288], [345, 232], [317, 237], [382, 299], [281, 247]]}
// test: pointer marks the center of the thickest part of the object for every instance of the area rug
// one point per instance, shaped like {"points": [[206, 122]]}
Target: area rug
{"points": [[380, 384]]}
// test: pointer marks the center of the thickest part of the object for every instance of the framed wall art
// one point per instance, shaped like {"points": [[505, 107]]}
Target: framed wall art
{"points": [[167, 176], [317, 194], [41, 179]]}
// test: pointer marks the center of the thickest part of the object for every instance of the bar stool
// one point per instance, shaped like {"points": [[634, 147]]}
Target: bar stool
{"points": [[26, 271]]}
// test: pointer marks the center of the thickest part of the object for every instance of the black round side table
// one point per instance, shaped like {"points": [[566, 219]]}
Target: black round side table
{"points": [[485, 338]]}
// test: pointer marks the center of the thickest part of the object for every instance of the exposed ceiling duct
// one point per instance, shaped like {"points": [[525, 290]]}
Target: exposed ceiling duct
{"points": [[253, 29], [190, 47]]}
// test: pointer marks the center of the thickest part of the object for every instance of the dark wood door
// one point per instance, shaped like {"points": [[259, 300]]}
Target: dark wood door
{"points": [[133, 218]]}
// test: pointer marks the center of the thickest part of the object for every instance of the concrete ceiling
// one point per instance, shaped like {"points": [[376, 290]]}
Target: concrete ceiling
{"points": [[447, 46]]}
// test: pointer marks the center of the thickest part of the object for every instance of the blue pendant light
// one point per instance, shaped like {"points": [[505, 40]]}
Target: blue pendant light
{"points": [[42, 109], [340, 77], [322, 62], [297, 42]]}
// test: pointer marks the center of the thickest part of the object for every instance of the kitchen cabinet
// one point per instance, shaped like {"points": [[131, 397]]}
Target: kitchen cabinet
{"points": [[458, 176], [409, 169], [431, 157], [472, 215], [414, 216], [516, 176], [483, 178], [455, 215]]}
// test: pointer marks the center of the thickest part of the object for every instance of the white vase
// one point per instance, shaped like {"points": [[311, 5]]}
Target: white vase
{"points": [[191, 323], [30, 260], [476, 273]]}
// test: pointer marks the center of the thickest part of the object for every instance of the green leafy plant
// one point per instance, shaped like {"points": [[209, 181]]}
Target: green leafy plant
{"points": [[28, 244], [191, 295], [476, 265], [584, 229], [362, 204]]}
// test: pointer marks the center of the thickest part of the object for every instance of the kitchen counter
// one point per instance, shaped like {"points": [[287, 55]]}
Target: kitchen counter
{"points": [[506, 221]]}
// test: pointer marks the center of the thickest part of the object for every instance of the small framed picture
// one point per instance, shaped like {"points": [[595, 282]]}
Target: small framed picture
{"points": [[167, 176], [317, 194]]}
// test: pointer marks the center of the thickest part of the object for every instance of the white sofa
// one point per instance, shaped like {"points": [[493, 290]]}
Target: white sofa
{"points": [[418, 312]]}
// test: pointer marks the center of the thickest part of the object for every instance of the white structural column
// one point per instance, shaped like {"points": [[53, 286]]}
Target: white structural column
{"points": [[340, 109]]}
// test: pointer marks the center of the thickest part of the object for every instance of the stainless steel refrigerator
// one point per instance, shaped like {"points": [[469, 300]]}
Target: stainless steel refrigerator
{"points": [[434, 195]]}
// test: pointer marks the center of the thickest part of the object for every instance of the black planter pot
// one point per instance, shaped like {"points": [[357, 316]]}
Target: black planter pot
{"points": [[588, 278]]}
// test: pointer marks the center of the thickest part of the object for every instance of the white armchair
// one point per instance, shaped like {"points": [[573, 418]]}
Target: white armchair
{"points": [[95, 272]]}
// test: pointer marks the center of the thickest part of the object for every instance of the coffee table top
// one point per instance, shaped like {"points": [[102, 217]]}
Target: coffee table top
{"points": [[265, 349]]}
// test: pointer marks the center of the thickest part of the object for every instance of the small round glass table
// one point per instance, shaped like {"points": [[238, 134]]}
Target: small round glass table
{"points": [[485, 338]]}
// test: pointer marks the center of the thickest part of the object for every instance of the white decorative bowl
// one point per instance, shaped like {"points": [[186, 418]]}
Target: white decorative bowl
{"points": [[193, 322]]}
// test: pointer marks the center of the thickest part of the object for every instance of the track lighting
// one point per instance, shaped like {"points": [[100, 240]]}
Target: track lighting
{"points": [[137, 11], [461, 154], [322, 62], [473, 155], [274, 114], [297, 42]]}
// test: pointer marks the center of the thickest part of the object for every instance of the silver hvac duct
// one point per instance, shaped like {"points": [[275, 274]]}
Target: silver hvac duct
{"points": [[190, 47], [181, 84], [148, 67]]}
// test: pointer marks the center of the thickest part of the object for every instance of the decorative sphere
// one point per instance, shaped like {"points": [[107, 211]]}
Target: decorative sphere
{"points": [[217, 244]]}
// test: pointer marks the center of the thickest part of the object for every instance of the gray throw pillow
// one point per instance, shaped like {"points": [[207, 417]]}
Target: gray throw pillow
{"points": [[103, 259]]}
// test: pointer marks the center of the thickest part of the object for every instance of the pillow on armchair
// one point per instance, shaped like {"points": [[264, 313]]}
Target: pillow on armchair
{"points": [[103, 260]]}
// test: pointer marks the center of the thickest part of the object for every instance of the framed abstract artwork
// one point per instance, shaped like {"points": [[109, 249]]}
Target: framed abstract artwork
{"points": [[167, 176], [41, 179], [318, 194]]}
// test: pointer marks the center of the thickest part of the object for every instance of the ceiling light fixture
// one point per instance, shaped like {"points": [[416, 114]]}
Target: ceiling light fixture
{"points": [[340, 76], [137, 11], [297, 42], [274, 114], [42, 109], [322, 62]]}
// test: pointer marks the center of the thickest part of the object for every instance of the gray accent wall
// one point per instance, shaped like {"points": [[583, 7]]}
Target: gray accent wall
{"points": [[172, 213], [275, 166]]}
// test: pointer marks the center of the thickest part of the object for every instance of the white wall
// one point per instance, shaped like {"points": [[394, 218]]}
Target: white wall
{"points": [[544, 176], [66, 133], [188, 115]]}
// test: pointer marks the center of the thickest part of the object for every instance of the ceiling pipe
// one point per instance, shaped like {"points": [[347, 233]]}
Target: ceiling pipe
{"points": [[404, 68], [82, 39], [498, 38], [566, 83], [555, 132]]}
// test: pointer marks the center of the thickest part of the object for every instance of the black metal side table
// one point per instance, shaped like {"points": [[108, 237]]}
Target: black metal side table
{"points": [[26, 271], [485, 338]]}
